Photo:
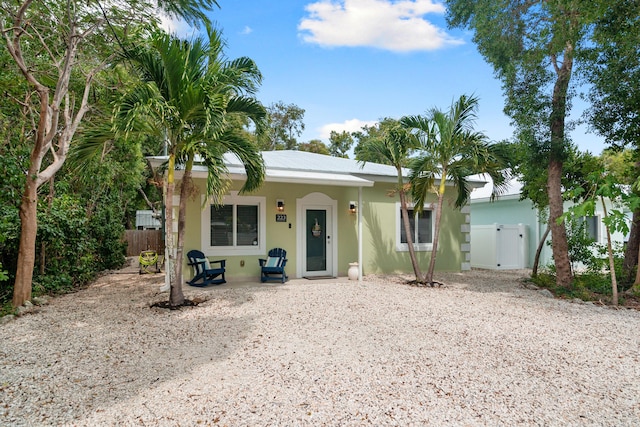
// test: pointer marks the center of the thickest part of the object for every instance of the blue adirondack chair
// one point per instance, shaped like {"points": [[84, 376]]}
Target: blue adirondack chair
{"points": [[272, 268], [204, 275]]}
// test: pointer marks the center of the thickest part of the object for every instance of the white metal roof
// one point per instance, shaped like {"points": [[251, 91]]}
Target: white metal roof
{"points": [[302, 167], [484, 193]]}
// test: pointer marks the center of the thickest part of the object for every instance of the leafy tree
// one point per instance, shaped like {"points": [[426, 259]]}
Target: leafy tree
{"points": [[613, 71], [76, 52], [393, 145], [532, 46], [450, 149], [603, 184], [285, 125], [577, 166], [314, 146], [340, 143], [187, 92], [376, 132]]}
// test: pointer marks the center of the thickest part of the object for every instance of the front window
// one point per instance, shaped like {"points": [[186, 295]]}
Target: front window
{"points": [[590, 224], [236, 227], [421, 224]]}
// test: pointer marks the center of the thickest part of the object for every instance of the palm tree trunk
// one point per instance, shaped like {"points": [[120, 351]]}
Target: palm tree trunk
{"points": [[177, 295], [436, 233], [407, 227], [169, 242]]}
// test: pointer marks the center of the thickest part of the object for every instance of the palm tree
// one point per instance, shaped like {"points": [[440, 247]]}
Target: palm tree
{"points": [[190, 93], [394, 146], [450, 149]]}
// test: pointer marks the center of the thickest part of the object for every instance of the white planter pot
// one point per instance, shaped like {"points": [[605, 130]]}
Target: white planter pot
{"points": [[353, 271]]}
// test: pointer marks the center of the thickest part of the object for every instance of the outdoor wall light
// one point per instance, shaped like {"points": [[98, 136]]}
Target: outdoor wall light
{"points": [[280, 205], [352, 207]]}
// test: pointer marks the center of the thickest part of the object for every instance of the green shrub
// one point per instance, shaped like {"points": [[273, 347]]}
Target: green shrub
{"points": [[106, 228], [52, 284]]}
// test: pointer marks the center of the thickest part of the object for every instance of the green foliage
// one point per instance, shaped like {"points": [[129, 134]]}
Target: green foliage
{"points": [[590, 284], [341, 143], [9, 240], [374, 144], [284, 125], [7, 308], [76, 245], [586, 286], [106, 228], [69, 250], [314, 146], [613, 71], [580, 243]]}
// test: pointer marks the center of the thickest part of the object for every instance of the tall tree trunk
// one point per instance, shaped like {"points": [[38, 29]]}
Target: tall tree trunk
{"points": [[29, 204], [26, 251], [630, 263], [559, 241]]}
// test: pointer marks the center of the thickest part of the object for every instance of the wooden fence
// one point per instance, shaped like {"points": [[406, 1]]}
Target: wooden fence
{"points": [[143, 240]]}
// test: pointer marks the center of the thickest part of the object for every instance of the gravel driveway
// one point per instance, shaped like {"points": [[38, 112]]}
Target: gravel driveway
{"points": [[482, 350]]}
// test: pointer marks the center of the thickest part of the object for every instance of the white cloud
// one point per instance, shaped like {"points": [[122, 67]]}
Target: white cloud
{"points": [[384, 24], [246, 30], [352, 125], [178, 27]]}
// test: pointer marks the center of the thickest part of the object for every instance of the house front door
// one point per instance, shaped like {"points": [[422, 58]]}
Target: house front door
{"points": [[318, 242], [317, 238]]}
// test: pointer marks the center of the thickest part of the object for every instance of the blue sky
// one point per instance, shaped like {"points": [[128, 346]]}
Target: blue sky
{"points": [[348, 63]]}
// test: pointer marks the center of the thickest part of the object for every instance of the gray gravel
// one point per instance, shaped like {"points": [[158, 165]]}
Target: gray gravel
{"points": [[482, 350]]}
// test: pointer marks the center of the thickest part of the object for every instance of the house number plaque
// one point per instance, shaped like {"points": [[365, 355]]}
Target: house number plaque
{"points": [[281, 217]]}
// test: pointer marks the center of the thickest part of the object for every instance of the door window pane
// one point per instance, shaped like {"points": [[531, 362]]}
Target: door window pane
{"points": [[316, 240]]}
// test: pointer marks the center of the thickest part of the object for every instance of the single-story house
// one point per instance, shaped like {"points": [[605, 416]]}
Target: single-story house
{"points": [[505, 232], [326, 212]]}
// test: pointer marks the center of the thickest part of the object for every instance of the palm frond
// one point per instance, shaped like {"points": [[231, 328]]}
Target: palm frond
{"points": [[250, 156], [194, 12]]}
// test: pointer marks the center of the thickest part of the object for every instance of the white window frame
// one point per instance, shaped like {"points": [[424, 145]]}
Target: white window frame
{"points": [[419, 247], [235, 199]]}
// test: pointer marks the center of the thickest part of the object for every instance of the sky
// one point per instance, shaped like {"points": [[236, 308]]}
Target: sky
{"points": [[350, 63]]}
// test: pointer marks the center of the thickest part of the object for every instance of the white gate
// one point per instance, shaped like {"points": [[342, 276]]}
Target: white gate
{"points": [[499, 246]]}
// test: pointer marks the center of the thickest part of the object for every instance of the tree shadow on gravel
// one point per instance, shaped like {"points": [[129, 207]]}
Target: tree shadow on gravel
{"points": [[102, 346]]}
